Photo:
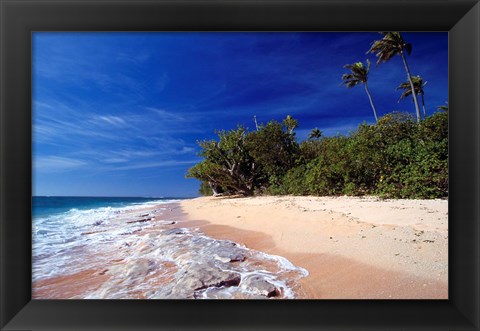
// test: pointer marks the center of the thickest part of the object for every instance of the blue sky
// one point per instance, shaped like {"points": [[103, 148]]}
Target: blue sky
{"points": [[119, 114]]}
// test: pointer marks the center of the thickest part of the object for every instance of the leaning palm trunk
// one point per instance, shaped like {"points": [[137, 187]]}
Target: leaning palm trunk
{"points": [[424, 109], [417, 108], [371, 102]]}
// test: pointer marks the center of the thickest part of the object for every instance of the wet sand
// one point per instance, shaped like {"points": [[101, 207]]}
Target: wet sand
{"points": [[156, 253], [97, 265], [353, 248]]}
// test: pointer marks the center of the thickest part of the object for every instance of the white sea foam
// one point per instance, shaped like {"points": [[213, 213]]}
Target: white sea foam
{"points": [[54, 237], [147, 250]]}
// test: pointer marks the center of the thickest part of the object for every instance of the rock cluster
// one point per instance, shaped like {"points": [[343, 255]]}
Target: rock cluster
{"points": [[215, 268], [168, 262]]}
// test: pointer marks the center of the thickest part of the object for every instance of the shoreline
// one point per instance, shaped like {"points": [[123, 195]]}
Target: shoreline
{"points": [[155, 253], [353, 248], [76, 285]]}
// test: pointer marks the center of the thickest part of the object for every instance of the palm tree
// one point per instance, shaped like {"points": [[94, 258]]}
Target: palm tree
{"points": [[290, 124], [418, 85], [443, 107], [315, 134], [359, 74], [391, 44], [255, 120]]}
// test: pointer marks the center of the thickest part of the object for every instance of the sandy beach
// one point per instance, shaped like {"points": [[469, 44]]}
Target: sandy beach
{"points": [[154, 252], [353, 248], [254, 248]]}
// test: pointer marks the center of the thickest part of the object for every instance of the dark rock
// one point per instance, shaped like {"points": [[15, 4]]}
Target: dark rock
{"points": [[198, 277], [173, 231], [131, 232], [212, 276], [93, 232], [139, 268], [103, 272], [140, 221], [259, 285], [227, 251], [232, 255]]}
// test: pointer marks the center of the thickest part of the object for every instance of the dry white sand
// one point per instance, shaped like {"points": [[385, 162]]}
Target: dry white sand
{"points": [[352, 247]]}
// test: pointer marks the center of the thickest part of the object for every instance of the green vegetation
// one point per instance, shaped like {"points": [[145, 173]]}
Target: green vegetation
{"points": [[398, 157], [443, 107], [395, 158], [244, 162], [228, 165]]}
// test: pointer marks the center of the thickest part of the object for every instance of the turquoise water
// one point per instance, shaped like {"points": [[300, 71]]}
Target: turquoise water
{"points": [[143, 253], [50, 206], [59, 222]]}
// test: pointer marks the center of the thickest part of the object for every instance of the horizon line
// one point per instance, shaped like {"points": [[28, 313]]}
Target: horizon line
{"points": [[110, 196]]}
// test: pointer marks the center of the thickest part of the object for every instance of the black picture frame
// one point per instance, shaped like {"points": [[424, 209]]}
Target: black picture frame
{"points": [[19, 18]]}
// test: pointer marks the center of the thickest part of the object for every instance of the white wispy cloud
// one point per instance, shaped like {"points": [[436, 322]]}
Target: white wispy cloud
{"points": [[114, 160], [90, 72], [42, 104], [68, 129], [47, 108], [166, 115], [130, 154], [112, 120], [56, 163], [136, 58], [162, 82], [161, 164]]}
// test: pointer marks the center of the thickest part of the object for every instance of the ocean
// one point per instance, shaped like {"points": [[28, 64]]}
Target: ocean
{"points": [[133, 248], [43, 206], [59, 224]]}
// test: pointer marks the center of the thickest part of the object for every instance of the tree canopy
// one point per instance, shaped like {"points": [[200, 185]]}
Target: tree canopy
{"points": [[394, 158], [241, 162]]}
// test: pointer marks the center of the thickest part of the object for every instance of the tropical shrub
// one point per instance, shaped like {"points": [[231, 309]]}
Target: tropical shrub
{"points": [[394, 158]]}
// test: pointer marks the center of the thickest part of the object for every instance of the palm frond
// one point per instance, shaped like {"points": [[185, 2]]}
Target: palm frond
{"points": [[408, 48], [418, 85], [352, 83], [391, 44], [405, 94], [443, 107], [404, 86], [358, 74]]}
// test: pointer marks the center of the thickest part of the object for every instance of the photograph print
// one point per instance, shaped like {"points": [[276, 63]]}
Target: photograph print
{"points": [[240, 165]]}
